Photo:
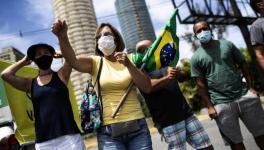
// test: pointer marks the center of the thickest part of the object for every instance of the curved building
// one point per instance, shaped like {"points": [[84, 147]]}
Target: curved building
{"points": [[81, 20], [135, 22]]}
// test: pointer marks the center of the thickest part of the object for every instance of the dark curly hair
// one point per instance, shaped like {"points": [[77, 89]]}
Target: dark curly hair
{"points": [[253, 4]]}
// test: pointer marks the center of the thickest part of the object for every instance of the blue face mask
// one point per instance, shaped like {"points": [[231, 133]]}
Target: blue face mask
{"points": [[204, 37]]}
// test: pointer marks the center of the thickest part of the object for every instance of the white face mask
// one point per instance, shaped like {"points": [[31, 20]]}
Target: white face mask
{"points": [[106, 45]]}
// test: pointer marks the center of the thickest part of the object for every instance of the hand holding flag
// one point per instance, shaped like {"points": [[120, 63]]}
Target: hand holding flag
{"points": [[165, 49], [163, 52]]}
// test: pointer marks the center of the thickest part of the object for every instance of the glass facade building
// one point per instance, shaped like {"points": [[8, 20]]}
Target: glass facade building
{"points": [[135, 22]]}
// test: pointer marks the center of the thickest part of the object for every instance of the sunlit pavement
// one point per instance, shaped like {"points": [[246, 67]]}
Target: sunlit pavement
{"points": [[212, 131]]}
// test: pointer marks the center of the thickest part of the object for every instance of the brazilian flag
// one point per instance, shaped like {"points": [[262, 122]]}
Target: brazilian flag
{"points": [[165, 49]]}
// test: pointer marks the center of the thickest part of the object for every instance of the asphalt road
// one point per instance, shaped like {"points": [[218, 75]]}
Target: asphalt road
{"points": [[214, 135], [213, 132]]}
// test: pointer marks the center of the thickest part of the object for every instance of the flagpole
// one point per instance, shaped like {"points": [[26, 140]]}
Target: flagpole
{"points": [[146, 57], [123, 98]]}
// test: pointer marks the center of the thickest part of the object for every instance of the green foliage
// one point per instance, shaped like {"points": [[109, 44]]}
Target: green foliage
{"points": [[257, 76], [189, 88], [246, 55]]}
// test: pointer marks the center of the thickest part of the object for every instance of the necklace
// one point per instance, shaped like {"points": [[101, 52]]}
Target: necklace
{"points": [[45, 74]]}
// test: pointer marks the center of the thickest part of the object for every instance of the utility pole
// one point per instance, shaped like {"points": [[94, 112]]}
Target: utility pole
{"points": [[228, 13], [246, 35], [243, 28]]}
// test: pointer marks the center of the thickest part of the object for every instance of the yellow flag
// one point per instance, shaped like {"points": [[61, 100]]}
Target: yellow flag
{"points": [[21, 106]]}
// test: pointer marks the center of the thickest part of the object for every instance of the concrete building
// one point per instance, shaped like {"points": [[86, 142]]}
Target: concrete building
{"points": [[81, 20], [11, 54], [135, 22]]}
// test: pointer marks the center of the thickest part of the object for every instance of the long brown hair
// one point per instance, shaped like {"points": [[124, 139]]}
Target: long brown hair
{"points": [[120, 45]]}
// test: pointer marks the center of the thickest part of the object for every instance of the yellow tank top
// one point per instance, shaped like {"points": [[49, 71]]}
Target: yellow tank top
{"points": [[114, 81]]}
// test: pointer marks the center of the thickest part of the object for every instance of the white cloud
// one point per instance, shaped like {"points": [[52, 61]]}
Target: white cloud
{"points": [[20, 43], [234, 35], [105, 12], [159, 11], [40, 12], [12, 40], [185, 50], [104, 8]]}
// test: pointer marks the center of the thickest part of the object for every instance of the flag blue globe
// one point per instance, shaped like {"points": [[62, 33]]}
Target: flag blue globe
{"points": [[167, 54]]}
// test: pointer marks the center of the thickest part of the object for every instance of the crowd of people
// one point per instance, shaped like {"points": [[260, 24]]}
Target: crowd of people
{"points": [[217, 66]]}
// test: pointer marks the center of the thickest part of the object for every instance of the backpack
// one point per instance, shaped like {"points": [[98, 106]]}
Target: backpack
{"points": [[91, 109]]}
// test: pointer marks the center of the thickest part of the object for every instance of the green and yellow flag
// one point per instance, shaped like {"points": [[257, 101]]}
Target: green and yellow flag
{"points": [[165, 49], [21, 106]]}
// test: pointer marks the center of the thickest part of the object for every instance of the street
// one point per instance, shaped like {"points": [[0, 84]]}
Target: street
{"points": [[213, 132], [214, 135]]}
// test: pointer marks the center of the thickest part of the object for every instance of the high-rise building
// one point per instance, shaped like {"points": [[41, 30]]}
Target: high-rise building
{"points": [[81, 20], [11, 54], [135, 22]]}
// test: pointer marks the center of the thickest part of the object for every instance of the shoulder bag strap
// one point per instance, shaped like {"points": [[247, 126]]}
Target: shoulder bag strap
{"points": [[98, 78], [99, 87], [99, 72]]}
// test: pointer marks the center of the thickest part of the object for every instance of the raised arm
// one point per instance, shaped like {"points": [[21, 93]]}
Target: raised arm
{"points": [[203, 91], [65, 71], [82, 63], [9, 75]]}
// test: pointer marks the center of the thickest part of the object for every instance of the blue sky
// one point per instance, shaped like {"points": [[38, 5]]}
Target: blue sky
{"points": [[33, 18], [25, 16]]}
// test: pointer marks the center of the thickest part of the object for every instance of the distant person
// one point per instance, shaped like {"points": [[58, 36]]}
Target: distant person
{"points": [[128, 130], [257, 31], [54, 122], [216, 66], [170, 112]]}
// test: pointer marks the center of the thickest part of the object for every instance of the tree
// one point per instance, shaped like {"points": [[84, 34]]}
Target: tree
{"points": [[217, 30], [258, 80], [189, 88]]}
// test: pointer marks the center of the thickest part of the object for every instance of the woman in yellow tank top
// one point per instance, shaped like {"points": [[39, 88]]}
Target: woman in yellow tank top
{"points": [[128, 130]]}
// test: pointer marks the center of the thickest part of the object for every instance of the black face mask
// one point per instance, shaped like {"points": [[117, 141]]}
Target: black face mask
{"points": [[44, 62]]}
